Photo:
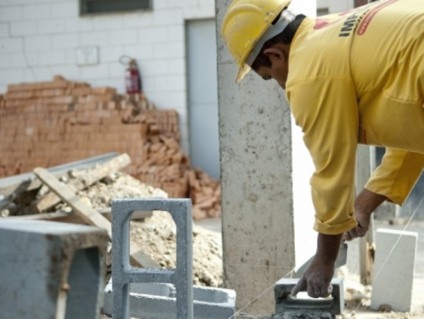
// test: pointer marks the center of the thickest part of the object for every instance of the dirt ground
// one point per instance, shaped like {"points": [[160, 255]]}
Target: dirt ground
{"points": [[156, 235]]}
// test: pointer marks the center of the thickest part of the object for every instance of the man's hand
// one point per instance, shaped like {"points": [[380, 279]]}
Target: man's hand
{"points": [[365, 203], [317, 277]]}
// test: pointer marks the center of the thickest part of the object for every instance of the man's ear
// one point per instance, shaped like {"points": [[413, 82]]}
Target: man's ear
{"points": [[274, 53]]}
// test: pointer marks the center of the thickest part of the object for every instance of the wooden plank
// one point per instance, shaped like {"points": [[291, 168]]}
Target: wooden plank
{"points": [[61, 216], [86, 178], [53, 217], [72, 218], [91, 216], [27, 181]]}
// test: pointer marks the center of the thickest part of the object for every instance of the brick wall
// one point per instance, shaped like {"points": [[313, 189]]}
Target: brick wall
{"points": [[55, 122], [40, 38]]}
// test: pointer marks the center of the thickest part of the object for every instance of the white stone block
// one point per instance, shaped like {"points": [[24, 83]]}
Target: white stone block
{"points": [[65, 41], [51, 26], [4, 29], [49, 58], [10, 45], [65, 9], [119, 37], [38, 43], [13, 13], [393, 271], [19, 28], [36, 12]]}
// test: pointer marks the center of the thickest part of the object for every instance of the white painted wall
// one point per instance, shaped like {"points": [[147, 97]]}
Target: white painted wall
{"points": [[335, 6], [304, 212], [202, 95], [40, 38]]}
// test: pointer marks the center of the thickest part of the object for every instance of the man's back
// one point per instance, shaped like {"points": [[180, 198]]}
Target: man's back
{"points": [[387, 52], [358, 77], [374, 55]]}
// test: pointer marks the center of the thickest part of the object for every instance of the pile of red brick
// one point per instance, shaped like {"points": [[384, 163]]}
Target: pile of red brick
{"points": [[51, 123]]}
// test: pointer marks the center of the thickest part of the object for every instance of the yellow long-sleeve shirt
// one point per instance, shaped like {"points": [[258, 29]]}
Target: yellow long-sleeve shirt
{"points": [[358, 77]]}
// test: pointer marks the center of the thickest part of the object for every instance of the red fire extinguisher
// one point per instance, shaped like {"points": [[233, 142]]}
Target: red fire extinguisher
{"points": [[132, 75]]}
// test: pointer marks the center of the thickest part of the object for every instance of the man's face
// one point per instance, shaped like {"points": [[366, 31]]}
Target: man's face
{"points": [[278, 69]]}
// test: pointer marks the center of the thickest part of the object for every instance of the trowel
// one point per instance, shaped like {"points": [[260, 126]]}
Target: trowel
{"points": [[290, 307]]}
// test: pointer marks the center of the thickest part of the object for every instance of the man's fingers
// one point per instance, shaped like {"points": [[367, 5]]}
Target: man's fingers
{"points": [[356, 232], [330, 289], [361, 231], [300, 286], [347, 236], [320, 291]]}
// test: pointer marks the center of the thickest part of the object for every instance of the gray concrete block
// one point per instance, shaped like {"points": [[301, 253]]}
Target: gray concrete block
{"points": [[51, 270], [288, 305], [157, 301], [393, 271], [124, 274]]}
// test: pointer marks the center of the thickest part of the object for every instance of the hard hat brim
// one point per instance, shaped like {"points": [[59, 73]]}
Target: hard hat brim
{"points": [[243, 71]]}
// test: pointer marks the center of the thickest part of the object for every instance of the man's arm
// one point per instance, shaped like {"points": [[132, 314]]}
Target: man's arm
{"points": [[317, 277], [397, 174], [392, 180], [327, 112], [365, 204]]}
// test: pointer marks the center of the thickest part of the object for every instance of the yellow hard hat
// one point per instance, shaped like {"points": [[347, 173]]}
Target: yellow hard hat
{"points": [[246, 24]]}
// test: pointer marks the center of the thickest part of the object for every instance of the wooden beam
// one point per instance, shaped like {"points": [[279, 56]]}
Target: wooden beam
{"points": [[91, 216], [27, 181], [60, 216], [85, 179]]}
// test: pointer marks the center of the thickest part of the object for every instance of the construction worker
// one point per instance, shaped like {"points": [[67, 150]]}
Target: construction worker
{"points": [[353, 77]]}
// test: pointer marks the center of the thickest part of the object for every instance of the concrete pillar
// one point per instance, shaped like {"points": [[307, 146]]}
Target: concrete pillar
{"points": [[256, 176], [257, 207]]}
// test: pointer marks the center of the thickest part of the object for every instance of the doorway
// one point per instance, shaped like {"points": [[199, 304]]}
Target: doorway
{"points": [[202, 96]]}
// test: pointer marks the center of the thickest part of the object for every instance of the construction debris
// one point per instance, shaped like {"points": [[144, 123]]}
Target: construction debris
{"points": [[153, 236], [49, 123]]}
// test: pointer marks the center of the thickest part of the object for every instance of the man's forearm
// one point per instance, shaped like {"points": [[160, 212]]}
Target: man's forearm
{"points": [[365, 204], [328, 248], [317, 277]]}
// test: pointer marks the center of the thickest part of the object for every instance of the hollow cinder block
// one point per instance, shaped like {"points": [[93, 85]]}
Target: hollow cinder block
{"points": [[124, 274], [51, 270], [157, 301]]}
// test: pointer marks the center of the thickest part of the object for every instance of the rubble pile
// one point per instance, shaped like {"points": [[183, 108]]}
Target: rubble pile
{"points": [[50, 123], [154, 234]]}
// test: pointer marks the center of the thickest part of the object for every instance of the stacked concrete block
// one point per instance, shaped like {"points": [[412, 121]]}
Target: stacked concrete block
{"points": [[393, 271], [291, 307], [157, 301], [122, 272], [51, 270]]}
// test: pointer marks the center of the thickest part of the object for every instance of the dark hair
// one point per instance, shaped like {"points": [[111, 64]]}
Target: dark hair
{"points": [[285, 37]]}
